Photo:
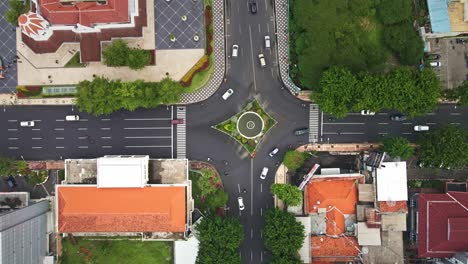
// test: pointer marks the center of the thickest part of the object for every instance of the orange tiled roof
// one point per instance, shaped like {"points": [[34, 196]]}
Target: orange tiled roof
{"points": [[326, 249], [148, 209], [398, 206]]}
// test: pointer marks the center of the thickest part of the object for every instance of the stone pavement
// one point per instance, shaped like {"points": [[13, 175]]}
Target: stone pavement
{"points": [[353, 148], [219, 58]]}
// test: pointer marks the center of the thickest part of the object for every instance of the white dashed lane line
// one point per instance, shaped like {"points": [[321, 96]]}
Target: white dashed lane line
{"points": [[146, 119], [137, 128]]}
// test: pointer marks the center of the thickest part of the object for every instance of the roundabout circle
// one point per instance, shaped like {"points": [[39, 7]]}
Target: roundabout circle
{"points": [[250, 125]]}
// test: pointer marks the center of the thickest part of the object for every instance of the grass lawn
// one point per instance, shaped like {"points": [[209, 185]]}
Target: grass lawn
{"points": [[115, 251], [74, 61], [194, 176], [200, 79]]}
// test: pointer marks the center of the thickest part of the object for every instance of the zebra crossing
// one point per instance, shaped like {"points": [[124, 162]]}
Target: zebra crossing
{"points": [[314, 114], [181, 135]]}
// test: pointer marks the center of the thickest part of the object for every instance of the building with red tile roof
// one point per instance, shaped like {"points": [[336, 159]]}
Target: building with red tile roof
{"points": [[84, 209], [331, 250], [442, 224], [393, 207]]}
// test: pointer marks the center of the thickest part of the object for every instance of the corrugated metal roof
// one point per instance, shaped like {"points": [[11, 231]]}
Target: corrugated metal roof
{"points": [[438, 13]]}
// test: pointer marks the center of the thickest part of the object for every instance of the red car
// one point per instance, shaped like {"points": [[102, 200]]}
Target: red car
{"points": [[177, 121]]}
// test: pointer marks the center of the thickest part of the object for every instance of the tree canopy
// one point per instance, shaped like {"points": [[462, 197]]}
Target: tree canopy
{"points": [[219, 240], [290, 194], [10, 166], [102, 96], [459, 94], [405, 89], [445, 147], [17, 8], [398, 147], [403, 39], [118, 54], [394, 11], [283, 235], [294, 159], [138, 59]]}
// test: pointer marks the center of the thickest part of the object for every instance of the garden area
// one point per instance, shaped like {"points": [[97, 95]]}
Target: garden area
{"points": [[34, 92], [75, 61], [207, 190], [81, 250], [360, 35], [248, 127]]}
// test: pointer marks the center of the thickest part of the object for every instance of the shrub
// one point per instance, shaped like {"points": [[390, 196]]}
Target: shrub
{"points": [[28, 91], [201, 65], [138, 59], [116, 54]]}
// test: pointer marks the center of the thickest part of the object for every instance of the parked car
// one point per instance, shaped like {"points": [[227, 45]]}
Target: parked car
{"points": [[435, 64], [433, 56], [267, 42], [253, 6], [273, 152], [228, 93], [240, 200], [177, 121], [264, 173], [2, 74], [235, 50], [367, 112], [72, 118], [10, 180], [461, 41], [398, 117], [261, 58], [27, 123], [301, 131], [421, 128]]}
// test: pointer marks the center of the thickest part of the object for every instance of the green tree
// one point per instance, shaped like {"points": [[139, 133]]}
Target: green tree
{"points": [[17, 8], [138, 58], [446, 147], [206, 183], [294, 259], [459, 94], [394, 11], [336, 94], [290, 194], [219, 240], [283, 234], [294, 159], [116, 54], [217, 199], [98, 96], [405, 41], [7, 166], [398, 147], [169, 91]]}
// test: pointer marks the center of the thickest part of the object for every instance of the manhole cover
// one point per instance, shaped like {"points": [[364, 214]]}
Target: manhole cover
{"points": [[250, 125]]}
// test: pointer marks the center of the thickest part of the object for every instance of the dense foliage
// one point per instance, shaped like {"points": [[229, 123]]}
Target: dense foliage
{"points": [[459, 94], [283, 235], [12, 167], [403, 39], [219, 240], [394, 11], [398, 147], [118, 54], [102, 96], [288, 193], [294, 159], [17, 7], [404, 89], [446, 147]]}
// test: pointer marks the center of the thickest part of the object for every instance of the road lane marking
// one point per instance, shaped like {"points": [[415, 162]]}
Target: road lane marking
{"points": [[36, 138], [344, 123], [82, 128], [261, 187], [12, 120], [59, 147], [12, 138], [36, 129], [82, 137], [266, 7], [382, 113], [59, 120], [12, 129], [352, 133], [36, 147], [59, 138], [106, 147], [455, 113], [59, 129], [238, 187], [105, 128], [268, 28], [407, 123], [37, 120], [261, 213], [105, 119], [251, 232], [455, 123], [12, 147], [136, 128], [154, 146], [149, 137], [259, 30], [430, 113], [106, 137], [382, 133], [431, 123], [407, 133], [253, 63], [82, 146], [146, 119], [382, 123], [251, 187], [84, 120]]}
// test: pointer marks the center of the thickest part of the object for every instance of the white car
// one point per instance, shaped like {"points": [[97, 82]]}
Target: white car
{"points": [[241, 203], [435, 64], [72, 117], [264, 173], [367, 112], [267, 42], [273, 152], [421, 128], [228, 93], [235, 50], [261, 58], [27, 123]]}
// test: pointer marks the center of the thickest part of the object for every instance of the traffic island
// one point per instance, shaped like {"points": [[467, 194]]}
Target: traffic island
{"points": [[248, 127]]}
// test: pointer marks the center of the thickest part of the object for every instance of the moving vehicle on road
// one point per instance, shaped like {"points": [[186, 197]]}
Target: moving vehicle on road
{"points": [[27, 123], [301, 131], [421, 128], [235, 50], [435, 64], [240, 200], [253, 6], [177, 121], [261, 58], [273, 152], [367, 112], [72, 117], [264, 173], [267, 42], [228, 93], [398, 117]]}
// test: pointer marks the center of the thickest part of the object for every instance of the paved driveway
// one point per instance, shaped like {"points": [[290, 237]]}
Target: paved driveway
{"points": [[7, 51]]}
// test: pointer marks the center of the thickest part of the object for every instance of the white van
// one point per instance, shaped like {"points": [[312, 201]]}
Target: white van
{"points": [[264, 173], [235, 50], [27, 123], [267, 42], [261, 58], [421, 128], [72, 117]]}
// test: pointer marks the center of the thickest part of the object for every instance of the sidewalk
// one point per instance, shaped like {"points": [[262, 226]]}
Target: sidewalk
{"points": [[354, 148], [12, 99]]}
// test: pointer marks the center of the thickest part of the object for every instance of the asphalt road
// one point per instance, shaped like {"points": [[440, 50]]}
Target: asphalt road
{"points": [[357, 128]]}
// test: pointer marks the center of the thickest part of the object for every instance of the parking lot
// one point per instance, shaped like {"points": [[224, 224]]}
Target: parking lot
{"points": [[454, 61], [7, 52]]}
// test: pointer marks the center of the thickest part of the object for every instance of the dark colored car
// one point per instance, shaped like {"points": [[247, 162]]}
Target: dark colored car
{"points": [[398, 117], [10, 180], [461, 41], [253, 6], [433, 56], [301, 131]]}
